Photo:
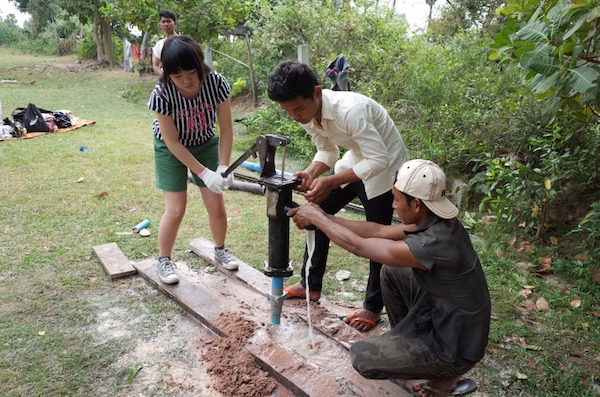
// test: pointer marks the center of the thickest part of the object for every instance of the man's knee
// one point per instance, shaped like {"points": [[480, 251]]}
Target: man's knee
{"points": [[365, 360], [358, 360]]}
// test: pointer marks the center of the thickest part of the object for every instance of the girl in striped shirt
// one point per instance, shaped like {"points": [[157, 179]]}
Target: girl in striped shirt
{"points": [[188, 100]]}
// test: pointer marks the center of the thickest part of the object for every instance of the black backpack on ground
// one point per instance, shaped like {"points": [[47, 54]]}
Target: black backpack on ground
{"points": [[31, 118]]}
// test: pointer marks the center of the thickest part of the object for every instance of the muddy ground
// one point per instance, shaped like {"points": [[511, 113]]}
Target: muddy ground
{"points": [[181, 357]]}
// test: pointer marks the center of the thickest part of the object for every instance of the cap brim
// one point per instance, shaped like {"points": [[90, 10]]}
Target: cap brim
{"points": [[442, 208]]}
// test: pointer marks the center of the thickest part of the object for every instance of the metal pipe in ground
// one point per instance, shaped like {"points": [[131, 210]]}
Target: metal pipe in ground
{"points": [[248, 187]]}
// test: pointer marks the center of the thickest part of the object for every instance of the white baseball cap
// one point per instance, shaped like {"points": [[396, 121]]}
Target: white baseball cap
{"points": [[426, 181]]}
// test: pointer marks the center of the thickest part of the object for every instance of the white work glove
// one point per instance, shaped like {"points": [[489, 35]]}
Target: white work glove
{"points": [[228, 181], [213, 180]]}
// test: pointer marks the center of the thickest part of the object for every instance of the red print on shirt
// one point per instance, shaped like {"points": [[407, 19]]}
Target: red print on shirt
{"points": [[196, 117]]}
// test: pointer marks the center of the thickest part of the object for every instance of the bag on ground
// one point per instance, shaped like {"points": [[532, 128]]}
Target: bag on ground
{"points": [[31, 118], [62, 120]]}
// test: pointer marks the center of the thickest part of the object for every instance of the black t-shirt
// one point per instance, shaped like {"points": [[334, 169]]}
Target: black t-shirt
{"points": [[457, 324]]}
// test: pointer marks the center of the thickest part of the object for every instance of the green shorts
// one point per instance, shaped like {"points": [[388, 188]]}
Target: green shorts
{"points": [[172, 174]]}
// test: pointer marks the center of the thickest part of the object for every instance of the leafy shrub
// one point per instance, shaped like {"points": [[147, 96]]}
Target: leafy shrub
{"points": [[58, 37], [589, 228], [525, 190], [143, 66], [87, 48], [369, 35], [238, 86], [138, 93], [458, 101], [10, 34]]}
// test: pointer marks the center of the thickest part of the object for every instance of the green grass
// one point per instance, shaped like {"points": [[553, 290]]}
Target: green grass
{"points": [[54, 291]]}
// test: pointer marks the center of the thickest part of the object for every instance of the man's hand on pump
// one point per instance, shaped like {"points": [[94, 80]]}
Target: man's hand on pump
{"points": [[305, 179], [305, 214], [320, 189]]}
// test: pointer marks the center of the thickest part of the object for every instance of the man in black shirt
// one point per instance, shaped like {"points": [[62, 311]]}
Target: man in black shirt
{"points": [[433, 285]]}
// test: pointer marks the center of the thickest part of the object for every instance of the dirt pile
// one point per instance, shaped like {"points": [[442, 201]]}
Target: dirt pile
{"points": [[233, 366]]}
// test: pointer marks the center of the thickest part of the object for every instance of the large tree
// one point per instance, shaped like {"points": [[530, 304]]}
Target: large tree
{"points": [[90, 11], [41, 13], [557, 43], [142, 14], [202, 20]]}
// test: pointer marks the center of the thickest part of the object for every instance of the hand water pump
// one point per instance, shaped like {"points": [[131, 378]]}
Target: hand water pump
{"points": [[279, 201]]}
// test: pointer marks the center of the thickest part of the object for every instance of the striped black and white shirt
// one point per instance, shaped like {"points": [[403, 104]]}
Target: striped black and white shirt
{"points": [[195, 119]]}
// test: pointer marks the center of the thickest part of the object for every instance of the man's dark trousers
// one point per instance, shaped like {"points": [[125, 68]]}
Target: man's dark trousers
{"points": [[379, 210]]}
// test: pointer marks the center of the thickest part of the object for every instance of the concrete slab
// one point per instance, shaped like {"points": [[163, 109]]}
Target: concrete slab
{"points": [[284, 351], [113, 260]]}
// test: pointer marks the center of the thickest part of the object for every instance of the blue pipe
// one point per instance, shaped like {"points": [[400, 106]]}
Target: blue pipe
{"points": [[256, 168], [276, 299]]}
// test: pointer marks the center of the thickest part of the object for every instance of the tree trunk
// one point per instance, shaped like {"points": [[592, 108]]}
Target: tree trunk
{"points": [[98, 37], [143, 45], [106, 39], [102, 37], [430, 3]]}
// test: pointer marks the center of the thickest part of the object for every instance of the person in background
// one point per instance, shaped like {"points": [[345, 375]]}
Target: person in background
{"points": [[374, 152], [168, 24], [188, 100], [433, 285]]}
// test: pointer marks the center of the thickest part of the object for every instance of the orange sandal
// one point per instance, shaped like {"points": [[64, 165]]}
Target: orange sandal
{"points": [[363, 320], [291, 294]]}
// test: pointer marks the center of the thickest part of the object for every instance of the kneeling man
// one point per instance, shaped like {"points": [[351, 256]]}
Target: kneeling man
{"points": [[433, 286]]}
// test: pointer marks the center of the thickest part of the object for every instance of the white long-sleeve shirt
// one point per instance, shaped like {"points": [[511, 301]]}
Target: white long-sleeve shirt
{"points": [[374, 148]]}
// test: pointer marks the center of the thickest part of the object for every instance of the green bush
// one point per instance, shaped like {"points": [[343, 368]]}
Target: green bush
{"points": [[451, 104], [87, 48], [139, 92], [273, 119], [58, 37], [589, 229], [237, 86], [230, 58], [143, 66], [527, 189], [10, 34], [369, 35]]}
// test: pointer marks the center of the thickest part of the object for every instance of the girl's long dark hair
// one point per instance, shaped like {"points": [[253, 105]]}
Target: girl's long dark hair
{"points": [[182, 53]]}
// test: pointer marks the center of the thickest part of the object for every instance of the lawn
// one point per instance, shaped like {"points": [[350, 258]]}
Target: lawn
{"points": [[57, 202]]}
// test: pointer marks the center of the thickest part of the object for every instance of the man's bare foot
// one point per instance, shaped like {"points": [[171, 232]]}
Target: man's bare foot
{"points": [[436, 387], [297, 291], [362, 320]]}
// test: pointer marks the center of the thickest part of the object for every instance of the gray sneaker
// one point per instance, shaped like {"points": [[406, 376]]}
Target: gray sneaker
{"points": [[227, 259], [166, 271]]}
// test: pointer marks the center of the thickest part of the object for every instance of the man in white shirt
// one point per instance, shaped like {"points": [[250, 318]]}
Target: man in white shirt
{"points": [[168, 23], [374, 152]]}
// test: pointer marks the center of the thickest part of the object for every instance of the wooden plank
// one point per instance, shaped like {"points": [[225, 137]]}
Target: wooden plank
{"points": [[113, 260], [326, 371]]}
